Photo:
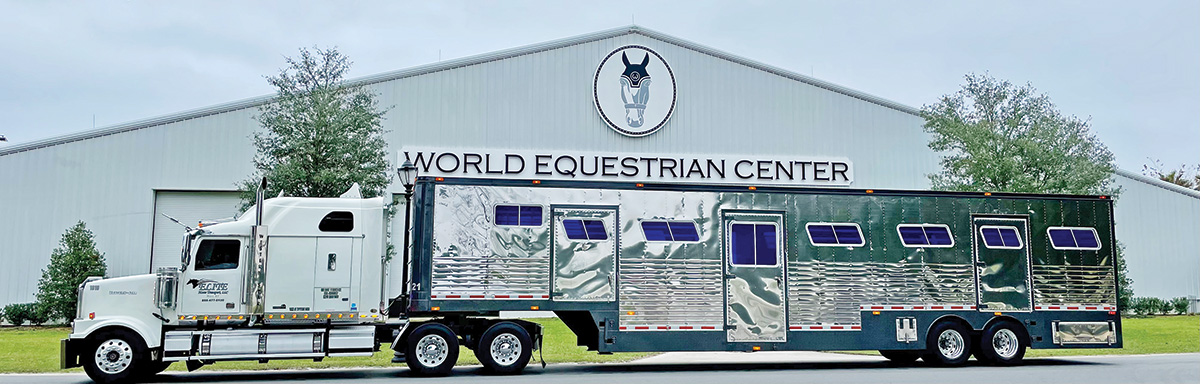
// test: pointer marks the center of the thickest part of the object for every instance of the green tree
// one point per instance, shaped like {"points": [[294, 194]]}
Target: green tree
{"points": [[1178, 176], [320, 135], [998, 137], [75, 259]]}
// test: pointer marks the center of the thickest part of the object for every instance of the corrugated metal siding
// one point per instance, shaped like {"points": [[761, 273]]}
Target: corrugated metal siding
{"points": [[539, 101], [1159, 229]]}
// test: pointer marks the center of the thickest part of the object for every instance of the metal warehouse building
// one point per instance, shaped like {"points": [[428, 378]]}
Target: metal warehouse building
{"points": [[711, 118]]}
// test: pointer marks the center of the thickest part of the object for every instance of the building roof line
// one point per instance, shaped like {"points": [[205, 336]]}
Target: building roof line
{"points": [[1158, 183], [458, 63]]}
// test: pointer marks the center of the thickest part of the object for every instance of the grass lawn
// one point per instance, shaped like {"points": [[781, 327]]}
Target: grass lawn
{"points": [[35, 349]]}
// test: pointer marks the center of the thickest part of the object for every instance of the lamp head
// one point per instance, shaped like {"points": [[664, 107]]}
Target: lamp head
{"points": [[407, 173]]}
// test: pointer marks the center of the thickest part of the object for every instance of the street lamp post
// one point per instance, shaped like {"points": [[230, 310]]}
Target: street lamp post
{"points": [[408, 175]]}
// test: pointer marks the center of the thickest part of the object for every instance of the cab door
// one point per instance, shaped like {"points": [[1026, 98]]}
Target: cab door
{"points": [[212, 284]]}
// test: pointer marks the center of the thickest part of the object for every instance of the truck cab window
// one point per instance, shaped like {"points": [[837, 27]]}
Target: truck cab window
{"points": [[217, 254], [337, 221]]}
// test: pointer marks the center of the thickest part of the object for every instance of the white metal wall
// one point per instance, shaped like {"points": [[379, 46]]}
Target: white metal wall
{"points": [[1160, 229], [189, 207], [532, 101]]}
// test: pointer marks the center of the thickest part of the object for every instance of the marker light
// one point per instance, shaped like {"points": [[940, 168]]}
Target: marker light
{"points": [[757, 348], [870, 191], [753, 188], [640, 185], [997, 313], [92, 316], [439, 179], [534, 307], [987, 193], [630, 313], [875, 312], [537, 181], [434, 308]]}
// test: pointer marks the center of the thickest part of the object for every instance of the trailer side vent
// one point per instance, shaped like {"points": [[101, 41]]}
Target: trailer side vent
{"points": [[925, 235], [518, 215], [670, 231], [835, 234], [1074, 238]]}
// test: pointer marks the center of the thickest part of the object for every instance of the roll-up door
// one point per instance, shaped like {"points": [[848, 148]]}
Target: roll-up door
{"points": [[189, 207]]}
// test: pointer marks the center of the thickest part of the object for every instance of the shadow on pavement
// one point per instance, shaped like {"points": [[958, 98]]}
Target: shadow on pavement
{"points": [[563, 369]]}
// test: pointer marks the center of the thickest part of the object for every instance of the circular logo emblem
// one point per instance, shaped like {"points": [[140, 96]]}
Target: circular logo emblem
{"points": [[634, 90]]}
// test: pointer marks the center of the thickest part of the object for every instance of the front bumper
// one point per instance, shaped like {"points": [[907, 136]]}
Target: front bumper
{"points": [[69, 353]]}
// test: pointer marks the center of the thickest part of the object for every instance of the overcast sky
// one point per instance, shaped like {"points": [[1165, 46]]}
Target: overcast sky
{"points": [[1132, 67]]}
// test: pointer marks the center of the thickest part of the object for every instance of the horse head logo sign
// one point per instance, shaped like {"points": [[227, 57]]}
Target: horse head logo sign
{"points": [[622, 91]]}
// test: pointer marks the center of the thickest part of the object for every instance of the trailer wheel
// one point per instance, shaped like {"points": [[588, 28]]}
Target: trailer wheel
{"points": [[505, 348], [432, 350], [1002, 343], [115, 356], [948, 344], [901, 356]]}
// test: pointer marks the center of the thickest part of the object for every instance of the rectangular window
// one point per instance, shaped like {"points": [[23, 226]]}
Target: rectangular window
{"points": [[670, 231], [576, 229], [835, 234], [753, 245], [1074, 238], [217, 254], [1000, 237], [519, 215], [925, 235], [337, 221]]}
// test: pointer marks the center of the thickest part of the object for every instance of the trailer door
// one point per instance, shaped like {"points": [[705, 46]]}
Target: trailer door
{"points": [[584, 257], [754, 264], [1002, 263]]}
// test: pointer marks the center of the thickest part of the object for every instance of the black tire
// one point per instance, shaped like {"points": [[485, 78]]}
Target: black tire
{"points": [[438, 346], [948, 344], [505, 348], [123, 355], [901, 356], [1003, 343]]}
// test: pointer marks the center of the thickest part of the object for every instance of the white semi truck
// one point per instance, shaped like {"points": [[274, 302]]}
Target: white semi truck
{"points": [[627, 267]]}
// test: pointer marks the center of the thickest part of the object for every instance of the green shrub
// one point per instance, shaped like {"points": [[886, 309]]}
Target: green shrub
{"points": [[1179, 305], [19, 314], [75, 259]]}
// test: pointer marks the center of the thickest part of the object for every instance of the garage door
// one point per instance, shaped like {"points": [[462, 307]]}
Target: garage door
{"points": [[189, 208]]}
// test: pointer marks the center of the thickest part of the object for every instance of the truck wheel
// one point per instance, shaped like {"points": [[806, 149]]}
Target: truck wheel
{"points": [[115, 356], [1002, 343], [432, 350], [948, 344], [505, 348], [901, 357]]}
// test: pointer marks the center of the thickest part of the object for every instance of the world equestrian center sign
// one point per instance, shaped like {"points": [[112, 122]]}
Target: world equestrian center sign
{"points": [[611, 166]]}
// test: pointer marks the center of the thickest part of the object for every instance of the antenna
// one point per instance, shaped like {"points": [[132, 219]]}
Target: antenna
{"points": [[189, 229]]}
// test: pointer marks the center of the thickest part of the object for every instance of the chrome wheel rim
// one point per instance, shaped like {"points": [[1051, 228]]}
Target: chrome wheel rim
{"points": [[1004, 342], [506, 349], [950, 344], [114, 356], [432, 350]]}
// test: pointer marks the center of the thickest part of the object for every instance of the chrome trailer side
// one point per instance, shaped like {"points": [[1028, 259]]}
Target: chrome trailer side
{"points": [[677, 296]]}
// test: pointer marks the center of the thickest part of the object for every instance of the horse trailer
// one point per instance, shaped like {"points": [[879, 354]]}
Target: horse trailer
{"points": [[628, 267]]}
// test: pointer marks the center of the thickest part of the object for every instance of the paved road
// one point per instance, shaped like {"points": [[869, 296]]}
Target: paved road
{"points": [[1179, 368]]}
